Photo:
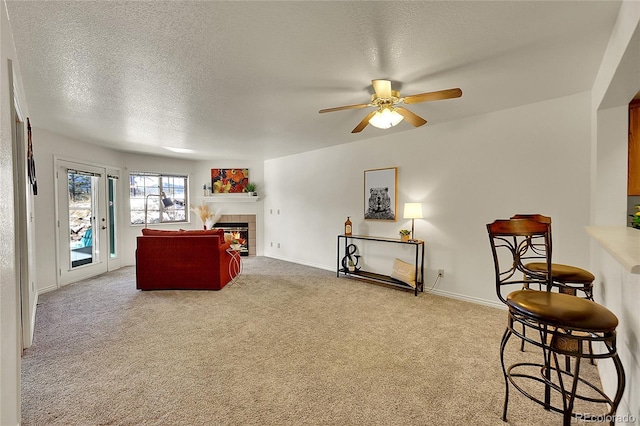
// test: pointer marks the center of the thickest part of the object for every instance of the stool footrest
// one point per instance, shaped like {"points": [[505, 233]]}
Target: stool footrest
{"points": [[513, 375]]}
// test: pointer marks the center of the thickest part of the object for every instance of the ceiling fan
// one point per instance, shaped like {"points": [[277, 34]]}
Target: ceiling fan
{"points": [[388, 114]]}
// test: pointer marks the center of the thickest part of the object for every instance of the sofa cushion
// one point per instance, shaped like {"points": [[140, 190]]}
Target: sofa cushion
{"points": [[147, 231], [168, 233], [218, 232]]}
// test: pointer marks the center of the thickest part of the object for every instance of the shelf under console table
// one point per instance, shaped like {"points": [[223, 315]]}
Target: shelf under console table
{"points": [[343, 255]]}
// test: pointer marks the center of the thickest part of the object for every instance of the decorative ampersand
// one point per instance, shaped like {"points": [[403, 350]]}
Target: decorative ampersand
{"points": [[351, 256]]}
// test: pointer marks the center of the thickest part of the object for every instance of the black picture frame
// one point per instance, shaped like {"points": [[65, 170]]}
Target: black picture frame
{"points": [[381, 194]]}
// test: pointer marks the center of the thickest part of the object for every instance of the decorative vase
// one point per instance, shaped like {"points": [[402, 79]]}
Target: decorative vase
{"points": [[348, 226], [236, 247], [404, 237]]}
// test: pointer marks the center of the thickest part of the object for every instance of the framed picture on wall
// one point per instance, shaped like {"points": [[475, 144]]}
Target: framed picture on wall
{"points": [[229, 180], [381, 194]]}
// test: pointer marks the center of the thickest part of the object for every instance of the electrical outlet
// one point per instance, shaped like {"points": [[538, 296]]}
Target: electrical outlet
{"points": [[278, 245], [271, 243], [441, 272]]}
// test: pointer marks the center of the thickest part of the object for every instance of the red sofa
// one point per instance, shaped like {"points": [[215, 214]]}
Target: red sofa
{"points": [[182, 260]]}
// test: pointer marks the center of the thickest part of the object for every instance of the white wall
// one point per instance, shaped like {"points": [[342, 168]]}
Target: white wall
{"points": [[610, 197], [617, 82], [9, 287], [619, 291], [48, 146], [51, 146], [530, 159], [199, 172]]}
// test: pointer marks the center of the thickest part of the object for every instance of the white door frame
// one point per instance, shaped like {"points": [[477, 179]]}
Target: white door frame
{"points": [[23, 221], [66, 273], [114, 261]]}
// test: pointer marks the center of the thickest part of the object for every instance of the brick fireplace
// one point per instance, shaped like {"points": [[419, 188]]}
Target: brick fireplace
{"points": [[241, 221]]}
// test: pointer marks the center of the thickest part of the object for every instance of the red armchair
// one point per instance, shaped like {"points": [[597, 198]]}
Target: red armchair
{"points": [[182, 260]]}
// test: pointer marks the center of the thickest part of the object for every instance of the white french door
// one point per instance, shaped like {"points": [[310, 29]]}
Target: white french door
{"points": [[83, 229]]}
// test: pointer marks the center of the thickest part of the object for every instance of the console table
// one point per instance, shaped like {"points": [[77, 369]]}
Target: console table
{"points": [[344, 255]]}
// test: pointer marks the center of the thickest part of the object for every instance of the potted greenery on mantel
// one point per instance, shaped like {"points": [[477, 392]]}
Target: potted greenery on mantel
{"points": [[251, 189]]}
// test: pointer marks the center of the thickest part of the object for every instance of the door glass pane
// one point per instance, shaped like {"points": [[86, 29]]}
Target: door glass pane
{"points": [[82, 213], [112, 217]]}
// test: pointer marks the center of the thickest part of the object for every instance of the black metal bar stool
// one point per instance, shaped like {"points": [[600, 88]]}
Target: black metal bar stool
{"points": [[559, 324], [569, 279]]}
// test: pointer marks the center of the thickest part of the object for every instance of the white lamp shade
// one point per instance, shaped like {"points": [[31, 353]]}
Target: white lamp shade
{"points": [[413, 210], [385, 118]]}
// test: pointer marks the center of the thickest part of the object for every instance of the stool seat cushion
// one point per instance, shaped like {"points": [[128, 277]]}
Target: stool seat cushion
{"points": [[562, 310], [563, 273]]}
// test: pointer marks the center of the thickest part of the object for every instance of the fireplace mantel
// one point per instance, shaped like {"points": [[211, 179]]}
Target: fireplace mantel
{"points": [[228, 198]]}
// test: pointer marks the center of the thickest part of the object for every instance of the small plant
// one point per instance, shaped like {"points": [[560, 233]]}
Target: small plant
{"points": [[635, 218], [251, 187], [405, 232]]}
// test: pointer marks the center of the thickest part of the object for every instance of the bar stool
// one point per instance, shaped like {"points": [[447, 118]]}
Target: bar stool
{"points": [[561, 324], [569, 279]]}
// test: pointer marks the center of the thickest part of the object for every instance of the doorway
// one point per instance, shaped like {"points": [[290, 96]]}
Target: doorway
{"points": [[86, 220]]}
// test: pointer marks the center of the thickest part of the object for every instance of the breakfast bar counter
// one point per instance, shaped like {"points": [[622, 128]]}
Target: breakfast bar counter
{"points": [[621, 242]]}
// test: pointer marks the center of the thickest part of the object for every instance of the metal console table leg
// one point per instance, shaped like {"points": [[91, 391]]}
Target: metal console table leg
{"points": [[235, 266]]}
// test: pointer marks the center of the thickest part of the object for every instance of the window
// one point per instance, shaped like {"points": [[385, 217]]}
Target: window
{"points": [[151, 190]]}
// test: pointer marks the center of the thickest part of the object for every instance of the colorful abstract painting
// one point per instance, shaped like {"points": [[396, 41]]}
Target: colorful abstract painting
{"points": [[229, 180]]}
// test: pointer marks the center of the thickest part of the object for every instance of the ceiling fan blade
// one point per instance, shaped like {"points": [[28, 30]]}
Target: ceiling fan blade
{"points": [[363, 123], [382, 88], [343, 107], [433, 96], [412, 118]]}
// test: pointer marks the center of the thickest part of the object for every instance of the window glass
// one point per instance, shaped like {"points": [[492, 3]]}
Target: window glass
{"points": [[157, 198]]}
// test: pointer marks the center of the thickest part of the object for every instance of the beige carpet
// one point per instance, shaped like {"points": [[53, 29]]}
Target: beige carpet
{"points": [[286, 345]]}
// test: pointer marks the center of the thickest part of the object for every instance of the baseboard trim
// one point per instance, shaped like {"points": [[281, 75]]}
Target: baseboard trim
{"points": [[471, 299], [299, 262], [47, 289], [489, 303]]}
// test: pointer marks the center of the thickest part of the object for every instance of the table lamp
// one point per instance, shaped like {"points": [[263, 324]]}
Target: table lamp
{"points": [[412, 211]]}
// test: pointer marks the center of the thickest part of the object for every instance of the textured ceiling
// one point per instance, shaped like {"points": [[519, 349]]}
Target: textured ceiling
{"points": [[243, 80]]}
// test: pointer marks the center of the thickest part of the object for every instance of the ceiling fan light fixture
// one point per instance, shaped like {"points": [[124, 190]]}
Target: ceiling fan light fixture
{"points": [[385, 118], [386, 114]]}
